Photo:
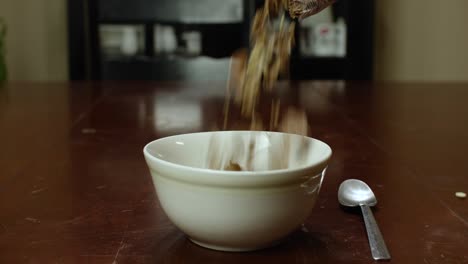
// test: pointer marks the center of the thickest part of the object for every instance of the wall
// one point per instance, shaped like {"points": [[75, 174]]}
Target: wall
{"points": [[421, 40], [36, 40]]}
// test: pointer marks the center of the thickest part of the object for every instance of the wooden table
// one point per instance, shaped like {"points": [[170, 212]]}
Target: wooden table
{"points": [[74, 187]]}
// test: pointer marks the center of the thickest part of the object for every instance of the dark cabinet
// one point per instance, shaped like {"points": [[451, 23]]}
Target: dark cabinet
{"points": [[193, 40]]}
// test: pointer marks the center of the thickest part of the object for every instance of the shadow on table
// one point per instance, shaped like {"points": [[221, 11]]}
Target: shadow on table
{"points": [[301, 246]]}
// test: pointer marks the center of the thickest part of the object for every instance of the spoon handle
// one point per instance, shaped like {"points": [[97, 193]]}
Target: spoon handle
{"points": [[377, 244]]}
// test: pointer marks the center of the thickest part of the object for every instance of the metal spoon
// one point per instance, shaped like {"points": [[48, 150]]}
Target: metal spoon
{"points": [[358, 193]]}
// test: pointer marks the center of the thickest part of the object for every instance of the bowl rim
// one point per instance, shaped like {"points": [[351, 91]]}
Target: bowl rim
{"points": [[313, 168]]}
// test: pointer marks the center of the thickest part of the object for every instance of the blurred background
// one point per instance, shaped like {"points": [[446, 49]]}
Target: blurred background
{"points": [[397, 40]]}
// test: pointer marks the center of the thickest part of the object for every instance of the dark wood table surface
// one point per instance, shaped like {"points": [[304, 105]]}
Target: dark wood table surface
{"points": [[74, 187]]}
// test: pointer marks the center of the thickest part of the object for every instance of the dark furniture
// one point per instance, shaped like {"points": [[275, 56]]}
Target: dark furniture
{"points": [[223, 32], [74, 187]]}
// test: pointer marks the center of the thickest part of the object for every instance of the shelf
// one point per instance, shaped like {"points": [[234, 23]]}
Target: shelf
{"points": [[165, 68], [138, 21], [172, 11], [319, 68]]}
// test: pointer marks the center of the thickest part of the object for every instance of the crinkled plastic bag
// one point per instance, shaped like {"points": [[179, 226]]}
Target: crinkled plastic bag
{"points": [[305, 8]]}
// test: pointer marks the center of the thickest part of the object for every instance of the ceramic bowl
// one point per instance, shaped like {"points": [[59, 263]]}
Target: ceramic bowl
{"points": [[237, 210]]}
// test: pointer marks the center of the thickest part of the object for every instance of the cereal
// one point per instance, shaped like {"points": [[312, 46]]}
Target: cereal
{"points": [[272, 38]]}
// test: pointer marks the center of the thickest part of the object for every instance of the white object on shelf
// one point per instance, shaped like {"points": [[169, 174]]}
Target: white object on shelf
{"points": [[324, 40], [165, 39], [321, 37], [170, 39], [193, 42], [129, 44], [121, 39]]}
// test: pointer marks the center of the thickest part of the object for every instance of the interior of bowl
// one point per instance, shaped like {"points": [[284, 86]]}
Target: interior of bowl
{"points": [[248, 150]]}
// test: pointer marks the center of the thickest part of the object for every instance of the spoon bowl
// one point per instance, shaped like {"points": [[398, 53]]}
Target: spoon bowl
{"points": [[355, 193]]}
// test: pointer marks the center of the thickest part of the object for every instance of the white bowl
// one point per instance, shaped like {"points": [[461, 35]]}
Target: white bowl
{"points": [[235, 210]]}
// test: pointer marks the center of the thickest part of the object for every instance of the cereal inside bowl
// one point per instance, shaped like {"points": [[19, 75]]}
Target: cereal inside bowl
{"points": [[272, 190]]}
